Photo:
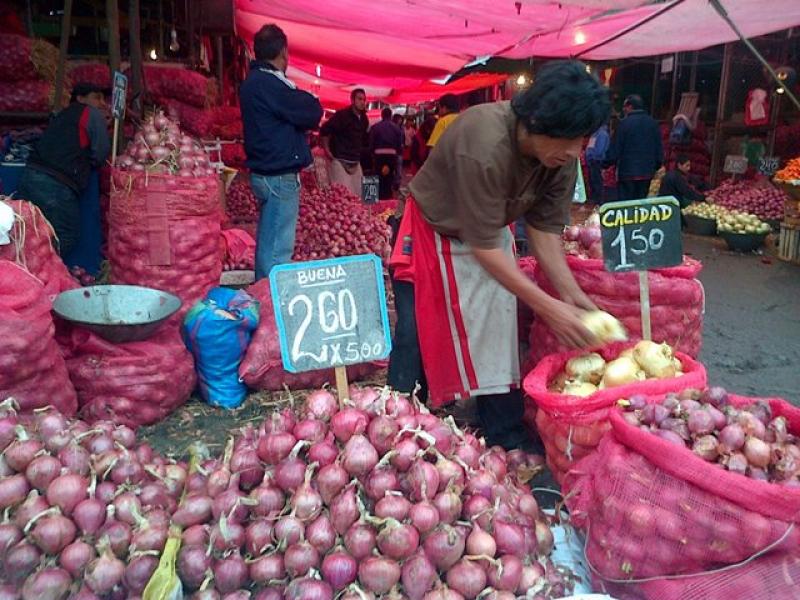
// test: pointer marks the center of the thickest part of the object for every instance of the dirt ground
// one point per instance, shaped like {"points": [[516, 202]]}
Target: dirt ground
{"points": [[751, 346]]}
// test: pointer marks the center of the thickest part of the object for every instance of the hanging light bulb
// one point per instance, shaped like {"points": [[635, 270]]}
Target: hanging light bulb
{"points": [[174, 46], [153, 54], [580, 38], [318, 70], [521, 80]]}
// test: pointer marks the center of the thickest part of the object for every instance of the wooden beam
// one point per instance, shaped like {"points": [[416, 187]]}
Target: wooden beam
{"points": [[135, 45], [63, 48], [112, 15]]}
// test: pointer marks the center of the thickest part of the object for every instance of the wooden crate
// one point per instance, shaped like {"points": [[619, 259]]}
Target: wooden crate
{"points": [[789, 243], [791, 209]]}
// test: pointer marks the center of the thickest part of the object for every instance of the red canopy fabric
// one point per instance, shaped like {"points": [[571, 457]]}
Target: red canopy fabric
{"points": [[429, 90]]}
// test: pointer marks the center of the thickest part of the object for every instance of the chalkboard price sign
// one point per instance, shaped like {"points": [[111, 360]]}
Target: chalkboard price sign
{"points": [[118, 94], [641, 234], [735, 164], [330, 313], [768, 165], [369, 189]]}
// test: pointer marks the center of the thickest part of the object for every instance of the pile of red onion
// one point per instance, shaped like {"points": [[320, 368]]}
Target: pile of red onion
{"points": [[584, 240], [334, 222], [241, 204], [160, 148], [747, 440], [760, 198]]}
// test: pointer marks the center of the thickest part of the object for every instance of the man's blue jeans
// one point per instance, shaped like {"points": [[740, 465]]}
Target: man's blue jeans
{"points": [[279, 198]]}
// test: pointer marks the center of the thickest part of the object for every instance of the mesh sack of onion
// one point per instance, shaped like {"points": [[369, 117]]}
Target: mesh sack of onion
{"points": [[26, 59], [96, 73], [240, 202], [32, 370], [377, 499], [262, 366], [32, 247], [677, 301], [694, 491], [86, 509], [189, 87], [572, 426]]}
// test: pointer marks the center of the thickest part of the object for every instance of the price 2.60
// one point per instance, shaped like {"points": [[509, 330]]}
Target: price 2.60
{"points": [[639, 244]]}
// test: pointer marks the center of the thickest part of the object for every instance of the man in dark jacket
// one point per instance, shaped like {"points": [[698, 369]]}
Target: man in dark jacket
{"points": [[636, 150], [58, 169], [276, 116], [675, 183], [385, 146], [343, 137]]}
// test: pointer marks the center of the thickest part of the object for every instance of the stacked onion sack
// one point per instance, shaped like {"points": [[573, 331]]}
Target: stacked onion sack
{"points": [[85, 508], [165, 215], [240, 202], [688, 483], [334, 222], [27, 73], [379, 499]]}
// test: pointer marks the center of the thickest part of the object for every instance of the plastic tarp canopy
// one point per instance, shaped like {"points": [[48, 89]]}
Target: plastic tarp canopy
{"points": [[429, 89]]}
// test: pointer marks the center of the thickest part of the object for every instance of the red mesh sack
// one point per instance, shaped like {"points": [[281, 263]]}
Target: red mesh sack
{"points": [[233, 155], [25, 96], [196, 121], [190, 87], [654, 510], [262, 367], [525, 316], [95, 73], [31, 247], [227, 123], [677, 302], [571, 427], [26, 59], [164, 233], [32, 370], [138, 383]]}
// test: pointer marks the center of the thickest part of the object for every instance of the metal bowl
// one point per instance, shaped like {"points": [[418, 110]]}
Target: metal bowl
{"points": [[117, 313], [743, 242], [700, 225]]}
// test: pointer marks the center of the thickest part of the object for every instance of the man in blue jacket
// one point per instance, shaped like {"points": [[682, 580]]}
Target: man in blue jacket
{"points": [[636, 150], [276, 117]]}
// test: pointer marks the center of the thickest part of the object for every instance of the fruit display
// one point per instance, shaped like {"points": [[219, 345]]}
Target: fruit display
{"points": [[742, 224], [706, 210], [585, 374], [760, 198], [790, 173]]}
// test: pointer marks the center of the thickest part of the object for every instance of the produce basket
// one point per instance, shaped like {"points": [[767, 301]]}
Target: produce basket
{"points": [[743, 242], [792, 189], [700, 226]]}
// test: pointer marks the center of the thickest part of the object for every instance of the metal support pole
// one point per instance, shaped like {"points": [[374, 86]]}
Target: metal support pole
{"points": [[693, 72], [721, 102], [674, 95], [161, 28], [220, 63], [112, 14], [135, 50], [656, 72], [63, 48]]}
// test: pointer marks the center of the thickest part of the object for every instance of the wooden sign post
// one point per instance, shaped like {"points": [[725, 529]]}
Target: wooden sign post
{"points": [[118, 96], [639, 235], [331, 313]]}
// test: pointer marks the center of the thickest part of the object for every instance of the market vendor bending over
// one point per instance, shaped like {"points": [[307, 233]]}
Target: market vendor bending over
{"points": [[75, 142], [496, 163]]}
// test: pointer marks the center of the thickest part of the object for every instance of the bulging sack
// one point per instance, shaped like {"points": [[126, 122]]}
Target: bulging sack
{"points": [[217, 332]]}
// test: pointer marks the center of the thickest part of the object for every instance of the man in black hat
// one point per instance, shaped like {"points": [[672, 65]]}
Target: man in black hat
{"points": [[58, 169]]}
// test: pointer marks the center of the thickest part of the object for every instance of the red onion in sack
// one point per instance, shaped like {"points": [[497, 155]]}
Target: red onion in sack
{"points": [[757, 452], [321, 534], [444, 547], [75, 557], [418, 575], [397, 540], [751, 425], [360, 540], [671, 437], [378, 574], [192, 564], [299, 558], [265, 569], [731, 437], [706, 448], [51, 583], [700, 421], [230, 573], [321, 404]]}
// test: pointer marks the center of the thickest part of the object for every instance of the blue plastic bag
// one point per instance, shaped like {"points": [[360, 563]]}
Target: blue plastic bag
{"points": [[217, 332]]}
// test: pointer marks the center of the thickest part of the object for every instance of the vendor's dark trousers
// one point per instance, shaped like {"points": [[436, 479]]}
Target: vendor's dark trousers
{"points": [[59, 204], [405, 360], [387, 163], [633, 189], [501, 419]]}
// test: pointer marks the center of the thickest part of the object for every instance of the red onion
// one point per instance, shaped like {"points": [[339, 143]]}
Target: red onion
{"points": [[700, 422], [716, 396], [13, 490], [231, 503], [119, 536], [418, 576], [321, 404], [468, 454], [52, 533], [290, 473], [392, 506], [321, 534], [467, 578], [194, 510], [477, 507], [197, 535], [299, 558], [50, 583], [761, 410], [331, 480], [424, 516], [527, 505], [670, 436], [258, 536], [245, 462], [306, 502], [544, 538], [89, 515], [405, 453], [360, 540], [323, 453], [269, 500], [127, 508], [268, 568], [49, 422], [344, 510], [138, 573], [192, 564], [21, 452], [104, 573], [308, 589], [278, 422], [105, 492], [449, 505], [230, 573], [310, 430], [339, 569], [21, 560], [227, 535], [706, 448], [732, 437], [443, 436], [98, 444], [359, 457], [155, 495], [509, 538], [450, 474], [444, 546], [506, 576], [381, 432], [348, 422], [654, 414], [757, 452], [424, 480], [127, 470], [378, 574], [676, 426], [398, 405], [288, 530], [33, 505], [9, 535], [380, 481], [480, 542], [397, 540], [737, 463], [8, 432], [75, 557]]}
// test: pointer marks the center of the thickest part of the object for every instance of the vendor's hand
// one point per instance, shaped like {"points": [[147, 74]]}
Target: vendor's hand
{"points": [[565, 321], [579, 299]]}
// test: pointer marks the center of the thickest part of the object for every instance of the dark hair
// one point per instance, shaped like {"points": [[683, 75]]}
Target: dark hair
{"points": [[634, 101], [450, 102], [426, 129], [356, 92], [386, 113], [682, 159], [564, 101], [269, 42]]}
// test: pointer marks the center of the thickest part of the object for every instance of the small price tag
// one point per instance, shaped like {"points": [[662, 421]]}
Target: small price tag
{"points": [[118, 94], [768, 165], [330, 313], [641, 234], [370, 189], [735, 164]]}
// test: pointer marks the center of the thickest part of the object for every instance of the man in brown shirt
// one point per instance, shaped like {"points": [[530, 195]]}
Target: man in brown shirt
{"points": [[494, 164]]}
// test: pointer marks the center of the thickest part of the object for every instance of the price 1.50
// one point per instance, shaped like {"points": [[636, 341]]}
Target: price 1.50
{"points": [[639, 244]]}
